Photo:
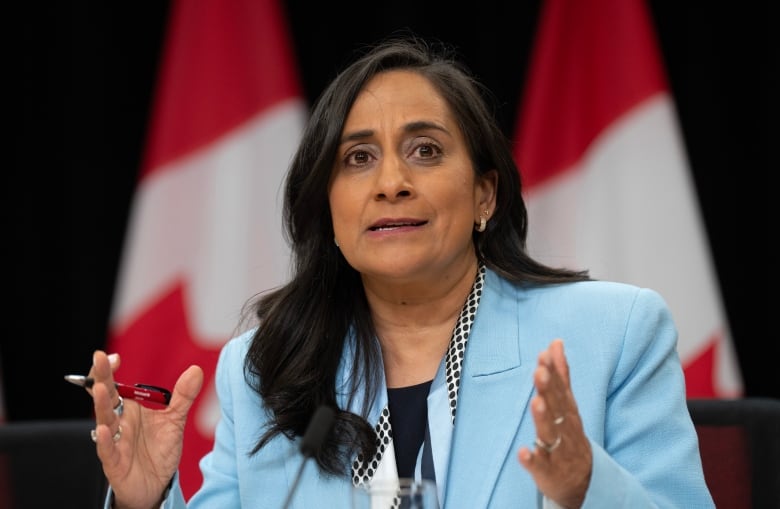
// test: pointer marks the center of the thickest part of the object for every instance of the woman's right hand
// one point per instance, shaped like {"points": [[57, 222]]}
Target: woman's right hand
{"points": [[143, 460]]}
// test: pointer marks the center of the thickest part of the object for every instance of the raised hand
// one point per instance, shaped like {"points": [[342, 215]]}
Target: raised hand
{"points": [[561, 460], [139, 449]]}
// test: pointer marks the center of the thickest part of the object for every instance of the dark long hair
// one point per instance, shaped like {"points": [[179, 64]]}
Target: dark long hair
{"points": [[296, 350]]}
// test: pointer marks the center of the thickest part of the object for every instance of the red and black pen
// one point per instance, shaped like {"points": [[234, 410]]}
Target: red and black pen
{"points": [[138, 392]]}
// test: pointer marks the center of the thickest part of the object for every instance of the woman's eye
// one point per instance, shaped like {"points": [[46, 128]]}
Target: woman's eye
{"points": [[428, 150], [359, 157]]}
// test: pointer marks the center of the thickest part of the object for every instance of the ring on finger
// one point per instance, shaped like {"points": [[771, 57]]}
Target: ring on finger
{"points": [[548, 447], [115, 438], [120, 407]]}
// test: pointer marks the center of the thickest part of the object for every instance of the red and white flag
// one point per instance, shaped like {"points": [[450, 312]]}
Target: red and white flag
{"points": [[205, 231], [606, 176]]}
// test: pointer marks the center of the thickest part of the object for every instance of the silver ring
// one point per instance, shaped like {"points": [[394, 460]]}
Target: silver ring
{"points": [[558, 420], [120, 407], [115, 438], [548, 447]]}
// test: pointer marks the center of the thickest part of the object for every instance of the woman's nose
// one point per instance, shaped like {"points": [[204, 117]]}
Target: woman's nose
{"points": [[393, 179]]}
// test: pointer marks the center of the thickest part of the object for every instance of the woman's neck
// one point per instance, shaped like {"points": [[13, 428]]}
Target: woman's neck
{"points": [[414, 325]]}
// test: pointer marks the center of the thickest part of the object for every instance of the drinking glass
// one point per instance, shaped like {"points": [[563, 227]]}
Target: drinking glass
{"points": [[401, 494]]}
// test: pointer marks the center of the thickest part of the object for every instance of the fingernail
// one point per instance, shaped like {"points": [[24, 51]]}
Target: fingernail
{"points": [[113, 357]]}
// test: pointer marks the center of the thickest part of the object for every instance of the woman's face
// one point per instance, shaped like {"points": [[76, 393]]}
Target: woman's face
{"points": [[403, 194]]}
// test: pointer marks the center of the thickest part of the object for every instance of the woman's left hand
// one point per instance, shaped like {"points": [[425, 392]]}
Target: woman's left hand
{"points": [[561, 460]]}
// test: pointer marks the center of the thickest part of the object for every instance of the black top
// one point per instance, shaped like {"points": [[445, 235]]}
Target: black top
{"points": [[408, 419]]}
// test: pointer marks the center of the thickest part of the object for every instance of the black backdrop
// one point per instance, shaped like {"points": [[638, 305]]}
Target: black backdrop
{"points": [[81, 78]]}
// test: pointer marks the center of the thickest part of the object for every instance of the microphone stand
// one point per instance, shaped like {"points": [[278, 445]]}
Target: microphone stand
{"points": [[316, 431]]}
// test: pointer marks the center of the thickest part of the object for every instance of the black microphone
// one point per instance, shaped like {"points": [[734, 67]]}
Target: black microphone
{"points": [[318, 428]]}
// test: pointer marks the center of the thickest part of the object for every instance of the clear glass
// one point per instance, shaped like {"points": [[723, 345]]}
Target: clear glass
{"points": [[403, 494]]}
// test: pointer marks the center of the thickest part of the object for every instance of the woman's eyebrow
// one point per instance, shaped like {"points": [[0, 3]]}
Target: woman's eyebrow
{"points": [[411, 127], [421, 125], [357, 135]]}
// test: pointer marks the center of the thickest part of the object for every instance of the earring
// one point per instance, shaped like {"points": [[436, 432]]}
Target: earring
{"points": [[336, 241], [483, 221]]}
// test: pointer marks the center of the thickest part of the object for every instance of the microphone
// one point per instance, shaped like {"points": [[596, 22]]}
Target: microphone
{"points": [[316, 431]]}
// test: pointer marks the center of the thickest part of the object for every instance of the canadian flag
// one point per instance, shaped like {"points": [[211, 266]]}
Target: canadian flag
{"points": [[606, 177], [205, 231]]}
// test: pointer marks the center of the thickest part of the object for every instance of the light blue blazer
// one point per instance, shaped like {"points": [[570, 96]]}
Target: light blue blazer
{"points": [[626, 376]]}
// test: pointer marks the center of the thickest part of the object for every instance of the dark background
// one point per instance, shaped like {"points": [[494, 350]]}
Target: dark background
{"points": [[82, 77]]}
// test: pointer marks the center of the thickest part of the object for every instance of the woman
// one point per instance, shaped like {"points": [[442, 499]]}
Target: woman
{"points": [[416, 313]]}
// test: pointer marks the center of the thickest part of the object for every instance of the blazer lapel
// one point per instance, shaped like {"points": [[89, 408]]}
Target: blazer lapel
{"points": [[496, 386]]}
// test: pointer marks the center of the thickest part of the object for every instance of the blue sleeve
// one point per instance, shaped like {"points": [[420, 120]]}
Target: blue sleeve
{"points": [[650, 456], [219, 467]]}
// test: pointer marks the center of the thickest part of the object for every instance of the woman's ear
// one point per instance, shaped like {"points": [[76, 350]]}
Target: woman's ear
{"points": [[487, 189]]}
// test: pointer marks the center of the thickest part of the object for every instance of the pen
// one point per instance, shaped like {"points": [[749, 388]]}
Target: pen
{"points": [[138, 392]]}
